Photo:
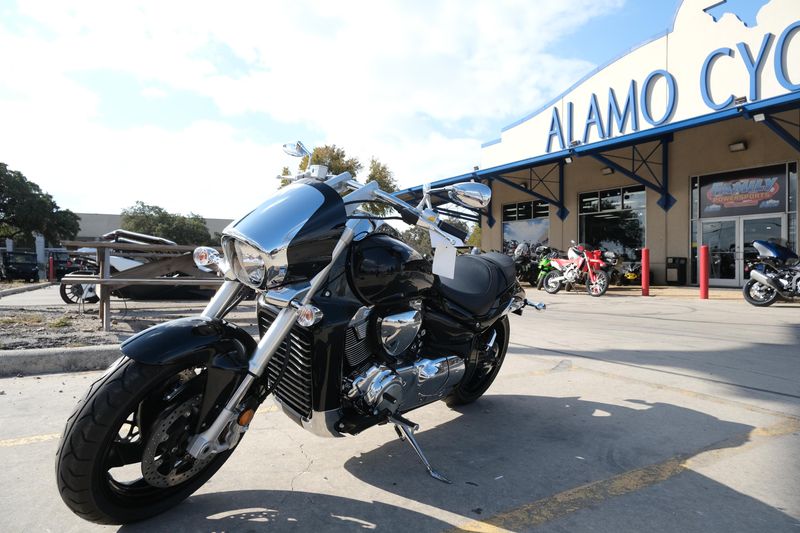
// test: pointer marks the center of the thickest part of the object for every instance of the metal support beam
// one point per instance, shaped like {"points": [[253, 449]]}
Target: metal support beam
{"points": [[543, 198], [562, 212], [489, 216], [667, 200], [457, 214], [782, 133]]}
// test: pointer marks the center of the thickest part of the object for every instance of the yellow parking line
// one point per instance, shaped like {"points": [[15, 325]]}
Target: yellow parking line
{"points": [[33, 439], [28, 440], [564, 503]]}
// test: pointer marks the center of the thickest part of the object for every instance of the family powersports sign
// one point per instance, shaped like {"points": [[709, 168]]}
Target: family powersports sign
{"points": [[626, 116], [703, 65]]}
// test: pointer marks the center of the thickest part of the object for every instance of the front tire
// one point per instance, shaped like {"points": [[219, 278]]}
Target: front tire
{"points": [[72, 293], [759, 295], [110, 430], [599, 286]]}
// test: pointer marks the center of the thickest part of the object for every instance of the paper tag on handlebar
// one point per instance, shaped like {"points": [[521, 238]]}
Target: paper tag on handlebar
{"points": [[444, 256]]}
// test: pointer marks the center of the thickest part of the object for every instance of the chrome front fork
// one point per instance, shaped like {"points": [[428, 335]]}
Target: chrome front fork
{"points": [[208, 442], [216, 439]]}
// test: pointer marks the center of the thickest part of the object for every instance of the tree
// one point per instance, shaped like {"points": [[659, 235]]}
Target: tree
{"points": [[334, 158], [154, 220], [380, 173], [420, 239], [474, 238], [25, 209], [287, 180]]}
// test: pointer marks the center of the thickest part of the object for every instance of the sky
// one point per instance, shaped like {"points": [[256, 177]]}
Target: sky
{"points": [[186, 105]]}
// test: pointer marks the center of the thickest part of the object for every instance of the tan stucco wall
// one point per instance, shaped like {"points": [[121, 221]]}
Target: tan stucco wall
{"points": [[693, 152]]}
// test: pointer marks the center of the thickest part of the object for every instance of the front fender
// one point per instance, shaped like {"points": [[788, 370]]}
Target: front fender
{"points": [[223, 348], [192, 340]]}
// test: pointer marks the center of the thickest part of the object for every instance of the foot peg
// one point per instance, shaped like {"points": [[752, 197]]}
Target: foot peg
{"points": [[405, 430]]}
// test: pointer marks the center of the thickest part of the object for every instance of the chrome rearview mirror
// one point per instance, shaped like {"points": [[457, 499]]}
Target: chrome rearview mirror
{"points": [[297, 149], [475, 195]]}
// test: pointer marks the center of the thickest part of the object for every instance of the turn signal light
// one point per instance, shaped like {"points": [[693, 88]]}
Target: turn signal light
{"points": [[308, 315], [246, 417]]}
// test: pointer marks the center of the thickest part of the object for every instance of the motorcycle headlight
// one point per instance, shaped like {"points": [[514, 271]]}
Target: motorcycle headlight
{"points": [[249, 265]]}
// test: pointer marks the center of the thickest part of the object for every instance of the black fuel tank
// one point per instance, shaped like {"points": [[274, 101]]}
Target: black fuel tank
{"points": [[384, 270]]}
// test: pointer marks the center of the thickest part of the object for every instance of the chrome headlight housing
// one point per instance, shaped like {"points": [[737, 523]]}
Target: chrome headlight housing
{"points": [[255, 267]]}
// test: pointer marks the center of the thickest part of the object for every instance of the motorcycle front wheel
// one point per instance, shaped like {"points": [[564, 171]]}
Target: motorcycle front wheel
{"points": [[122, 456], [599, 286], [759, 295], [550, 284]]}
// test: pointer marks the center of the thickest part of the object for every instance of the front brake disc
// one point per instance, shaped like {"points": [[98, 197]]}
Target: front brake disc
{"points": [[165, 461]]}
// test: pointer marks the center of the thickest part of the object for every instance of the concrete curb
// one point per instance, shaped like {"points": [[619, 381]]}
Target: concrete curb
{"points": [[27, 288], [57, 360]]}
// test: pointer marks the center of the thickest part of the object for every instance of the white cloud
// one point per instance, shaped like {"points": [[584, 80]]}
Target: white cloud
{"points": [[378, 78]]}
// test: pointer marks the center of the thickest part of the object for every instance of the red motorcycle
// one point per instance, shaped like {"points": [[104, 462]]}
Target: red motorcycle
{"points": [[581, 266]]}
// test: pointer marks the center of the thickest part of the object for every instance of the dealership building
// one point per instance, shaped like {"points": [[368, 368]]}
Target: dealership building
{"points": [[691, 138]]}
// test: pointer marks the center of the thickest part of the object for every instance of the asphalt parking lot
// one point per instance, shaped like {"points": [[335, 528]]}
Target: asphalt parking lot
{"points": [[618, 413]]}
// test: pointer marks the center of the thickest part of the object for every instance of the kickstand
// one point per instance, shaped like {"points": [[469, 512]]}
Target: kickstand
{"points": [[405, 430]]}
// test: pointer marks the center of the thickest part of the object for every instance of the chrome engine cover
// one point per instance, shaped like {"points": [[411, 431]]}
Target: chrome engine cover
{"points": [[399, 330], [381, 389]]}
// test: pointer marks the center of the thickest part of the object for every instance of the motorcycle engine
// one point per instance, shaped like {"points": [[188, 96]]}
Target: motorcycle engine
{"points": [[404, 378], [571, 273]]}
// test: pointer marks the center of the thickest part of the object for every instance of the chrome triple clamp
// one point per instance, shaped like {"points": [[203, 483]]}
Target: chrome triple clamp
{"points": [[405, 430]]}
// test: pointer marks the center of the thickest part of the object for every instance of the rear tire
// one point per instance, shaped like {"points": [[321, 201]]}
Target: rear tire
{"points": [[104, 429], [71, 292], [759, 295], [549, 284], [481, 374]]}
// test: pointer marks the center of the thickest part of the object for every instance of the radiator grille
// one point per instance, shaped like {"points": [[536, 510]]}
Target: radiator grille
{"points": [[356, 351], [294, 390]]}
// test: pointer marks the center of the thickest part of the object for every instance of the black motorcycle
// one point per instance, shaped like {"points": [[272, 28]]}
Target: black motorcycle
{"points": [[356, 329], [775, 274], [526, 263]]}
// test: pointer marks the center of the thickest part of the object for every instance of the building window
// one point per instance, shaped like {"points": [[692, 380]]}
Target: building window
{"points": [[614, 219], [525, 222]]}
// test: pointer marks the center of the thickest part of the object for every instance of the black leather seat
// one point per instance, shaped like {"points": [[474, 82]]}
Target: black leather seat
{"points": [[478, 281]]}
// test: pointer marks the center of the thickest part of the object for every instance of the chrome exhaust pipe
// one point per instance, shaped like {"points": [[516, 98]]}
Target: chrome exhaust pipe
{"points": [[765, 280]]}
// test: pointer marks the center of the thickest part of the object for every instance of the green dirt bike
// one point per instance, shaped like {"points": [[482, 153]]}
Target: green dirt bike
{"points": [[544, 266]]}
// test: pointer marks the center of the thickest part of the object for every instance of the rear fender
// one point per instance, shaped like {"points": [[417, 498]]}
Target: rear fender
{"points": [[223, 348]]}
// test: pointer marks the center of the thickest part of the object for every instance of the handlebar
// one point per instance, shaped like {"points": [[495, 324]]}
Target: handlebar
{"points": [[456, 232]]}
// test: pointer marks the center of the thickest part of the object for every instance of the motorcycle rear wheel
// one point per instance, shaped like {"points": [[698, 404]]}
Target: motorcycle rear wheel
{"points": [[129, 415], [549, 284], [759, 295], [71, 292], [483, 370]]}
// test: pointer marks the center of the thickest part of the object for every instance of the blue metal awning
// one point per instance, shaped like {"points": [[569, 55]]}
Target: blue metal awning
{"points": [[662, 134]]}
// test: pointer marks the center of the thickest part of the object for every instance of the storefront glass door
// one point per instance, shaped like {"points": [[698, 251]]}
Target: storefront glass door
{"points": [[760, 229], [730, 244], [720, 235]]}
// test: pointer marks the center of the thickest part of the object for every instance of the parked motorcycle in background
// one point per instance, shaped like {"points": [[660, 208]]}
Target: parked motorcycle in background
{"points": [[543, 267], [356, 329], [774, 275], [525, 263], [581, 266], [612, 259]]}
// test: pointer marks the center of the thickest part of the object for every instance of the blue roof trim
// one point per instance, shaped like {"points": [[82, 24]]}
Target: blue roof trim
{"points": [[596, 70], [608, 144], [489, 143]]}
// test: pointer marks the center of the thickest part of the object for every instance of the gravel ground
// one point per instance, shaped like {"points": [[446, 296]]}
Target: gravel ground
{"points": [[67, 326]]}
